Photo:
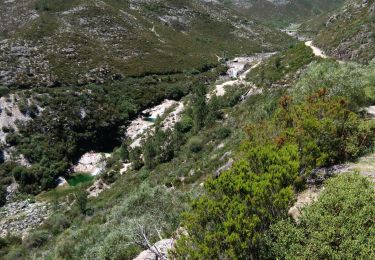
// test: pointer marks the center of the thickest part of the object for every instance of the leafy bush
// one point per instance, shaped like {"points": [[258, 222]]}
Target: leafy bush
{"points": [[57, 223], [278, 66], [337, 226], [36, 239], [3, 193], [325, 130], [228, 222], [195, 144], [4, 91], [222, 132], [185, 124], [349, 80]]}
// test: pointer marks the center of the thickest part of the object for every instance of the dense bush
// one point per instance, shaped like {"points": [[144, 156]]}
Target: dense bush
{"points": [[325, 130], [278, 66], [195, 144], [36, 239], [239, 206], [228, 222], [3, 193], [352, 81], [338, 226], [75, 121]]}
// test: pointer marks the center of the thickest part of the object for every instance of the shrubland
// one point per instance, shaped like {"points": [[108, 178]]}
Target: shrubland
{"points": [[337, 226], [275, 138]]}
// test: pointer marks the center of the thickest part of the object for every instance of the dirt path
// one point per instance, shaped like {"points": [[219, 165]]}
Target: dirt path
{"points": [[317, 52]]}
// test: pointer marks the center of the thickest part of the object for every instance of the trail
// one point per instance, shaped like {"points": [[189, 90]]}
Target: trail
{"points": [[317, 52]]}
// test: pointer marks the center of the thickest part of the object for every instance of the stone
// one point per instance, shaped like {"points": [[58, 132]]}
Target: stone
{"points": [[159, 251]]}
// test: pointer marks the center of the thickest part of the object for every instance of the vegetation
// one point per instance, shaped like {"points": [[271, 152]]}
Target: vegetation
{"points": [[241, 204], [229, 220], [337, 226], [277, 67], [350, 80], [308, 115], [350, 35], [90, 118]]}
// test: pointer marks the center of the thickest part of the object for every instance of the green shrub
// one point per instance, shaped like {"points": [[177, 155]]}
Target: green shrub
{"points": [[278, 66], [3, 193], [12, 139], [185, 124], [36, 239], [195, 144], [337, 226], [229, 220], [349, 80], [4, 91], [222, 132], [57, 223]]}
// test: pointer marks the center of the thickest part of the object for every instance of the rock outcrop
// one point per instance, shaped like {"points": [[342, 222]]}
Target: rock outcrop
{"points": [[18, 218]]}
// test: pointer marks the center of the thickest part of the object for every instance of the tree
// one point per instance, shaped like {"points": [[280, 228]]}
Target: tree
{"points": [[199, 106], [229, 220], [339, 225], [3, 194], [149, 153], [135, 158], [124, 150], [81, 201]]}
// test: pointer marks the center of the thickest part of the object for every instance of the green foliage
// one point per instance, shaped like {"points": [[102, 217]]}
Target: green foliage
{"points": [[135, 158], [4, 91], [350, 80], [112, 232], [185, 124], [199, 107], [325, 130], [280, 65], [3, 193], [337, 226], [222, 132], [195, 144], [57, 223], [229, 220], [36, 239], [81, 201]]}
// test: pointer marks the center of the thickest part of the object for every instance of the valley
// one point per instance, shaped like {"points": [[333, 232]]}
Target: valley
{"points": [[186, 129]]}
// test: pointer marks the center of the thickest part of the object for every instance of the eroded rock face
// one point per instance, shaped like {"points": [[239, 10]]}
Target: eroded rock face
{"points": [[18, 218], [158, 252], [91, 162], [98, 187]]}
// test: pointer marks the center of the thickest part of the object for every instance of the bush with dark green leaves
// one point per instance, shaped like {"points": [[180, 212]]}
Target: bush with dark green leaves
{"points": [[36, 239], [324, 128], [340, 225], [195, 144], [229, 220]]}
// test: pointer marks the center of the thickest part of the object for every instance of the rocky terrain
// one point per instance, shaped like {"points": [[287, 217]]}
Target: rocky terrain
{"points": [[45, 43], [348, 33], [280, 12], [18, 218]]}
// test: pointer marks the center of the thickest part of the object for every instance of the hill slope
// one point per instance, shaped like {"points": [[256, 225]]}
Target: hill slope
{"points": [[349, 33], [282, 12], [50, 42]]}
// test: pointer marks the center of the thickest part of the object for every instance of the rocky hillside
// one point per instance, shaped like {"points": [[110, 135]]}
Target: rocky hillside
{"points": [[282, 12], [349, 34], [51, 42]]}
